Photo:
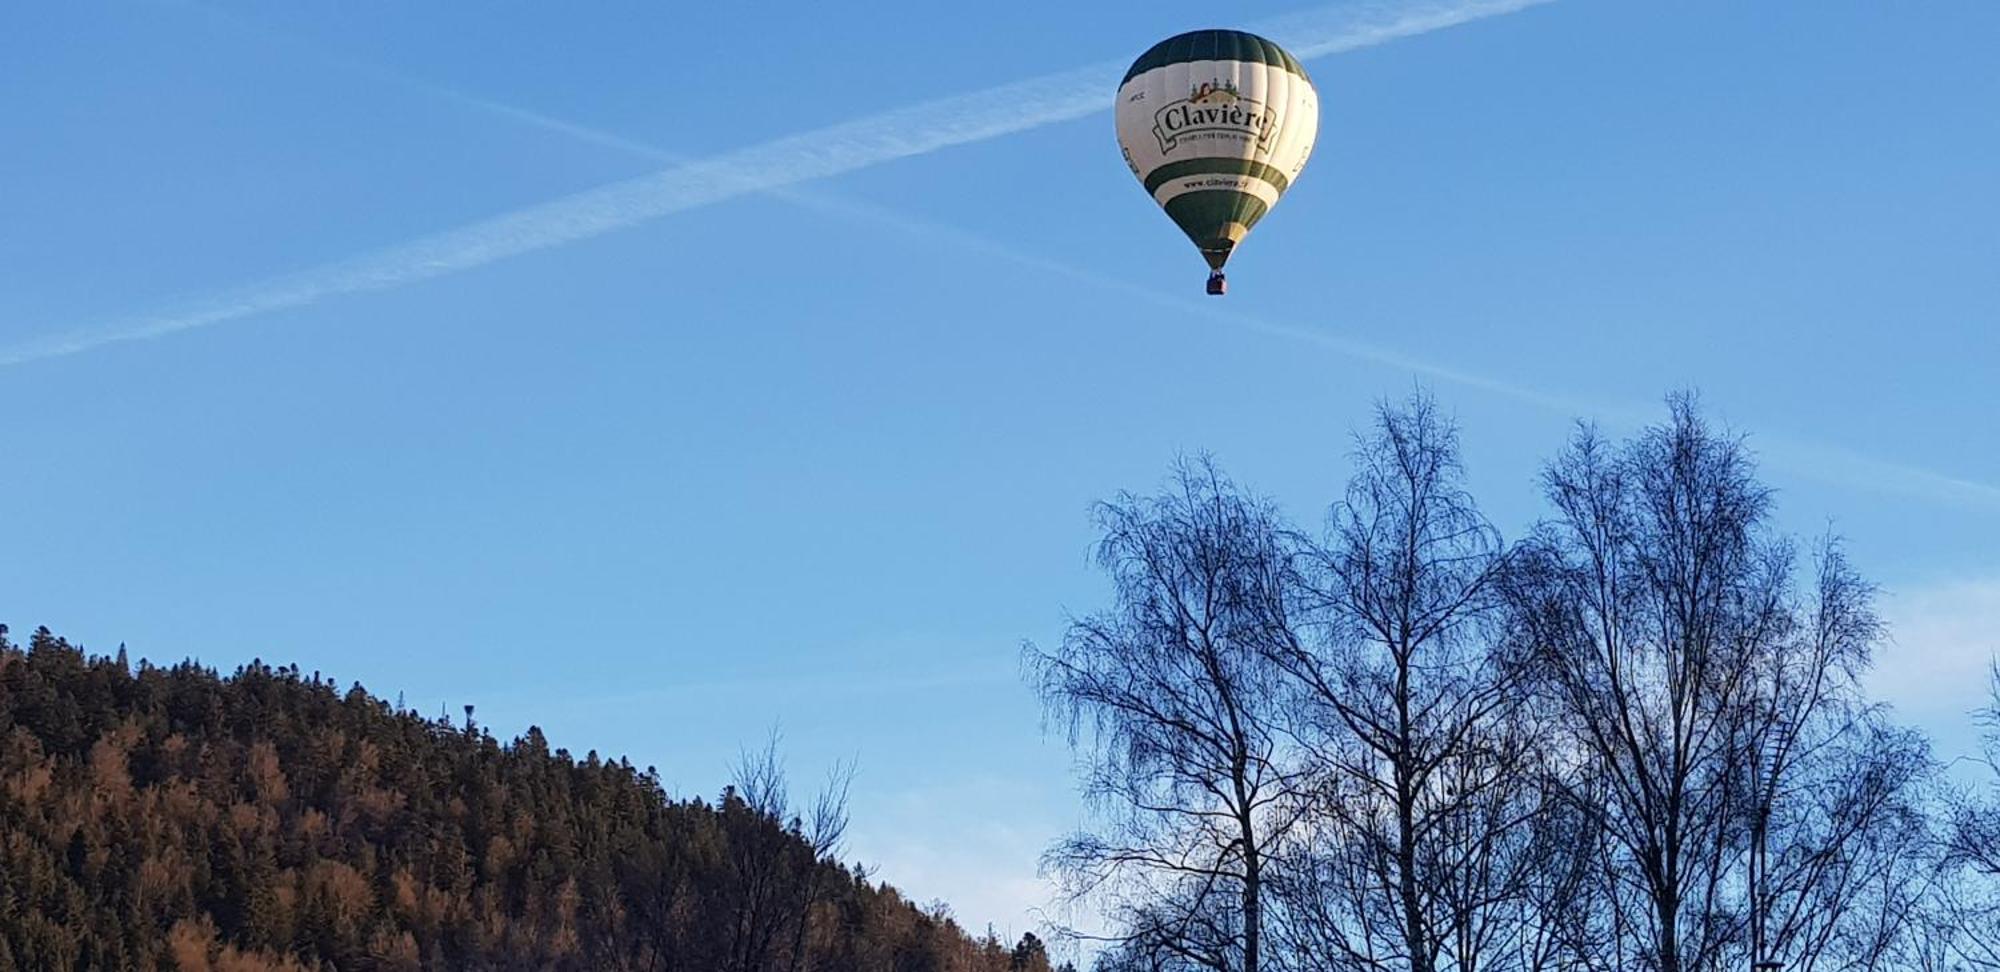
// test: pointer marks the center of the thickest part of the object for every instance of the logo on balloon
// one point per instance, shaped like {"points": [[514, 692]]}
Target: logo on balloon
{"points": [[1214, 109]]}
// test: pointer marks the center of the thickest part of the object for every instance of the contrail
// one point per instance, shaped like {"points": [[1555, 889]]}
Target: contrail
{"points": [[829, 151], [1305, 24], [870, 213], [1811, 460], [1834, 465]]}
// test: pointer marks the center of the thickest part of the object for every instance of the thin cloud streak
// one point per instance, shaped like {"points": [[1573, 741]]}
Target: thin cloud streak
{"points": [[1805, 459], [817, 154], [1843, 467], [1808, 460], [1311, 34], [1337, 30], [1303, 24]]}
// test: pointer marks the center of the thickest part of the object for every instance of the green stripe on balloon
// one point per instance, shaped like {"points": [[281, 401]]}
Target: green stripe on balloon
{"points": [[1215, 45], [1205, 215], [1216, 166]]}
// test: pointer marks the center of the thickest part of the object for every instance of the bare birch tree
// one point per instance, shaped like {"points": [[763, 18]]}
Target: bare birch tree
{"points": [[1418, 830], [1637, 740], [1838, 792], [1709, 704], [1962, 918], [1172, 697]]}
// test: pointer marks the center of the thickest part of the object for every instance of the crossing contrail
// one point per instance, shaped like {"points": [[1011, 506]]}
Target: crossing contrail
{"points": [[1312, 34], [1800, 457], [817, 154]]}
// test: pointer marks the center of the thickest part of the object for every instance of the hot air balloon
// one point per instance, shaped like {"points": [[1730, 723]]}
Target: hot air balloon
{"points": [[1216, 124]]}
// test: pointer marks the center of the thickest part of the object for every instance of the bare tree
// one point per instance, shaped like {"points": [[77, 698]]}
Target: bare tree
{"points": [[1713, 712], [1636, 741], [825, 833], [1963, 926], [1648, 602], [1419, 826], [1172, 698], [781, 868], [1837, 792]]}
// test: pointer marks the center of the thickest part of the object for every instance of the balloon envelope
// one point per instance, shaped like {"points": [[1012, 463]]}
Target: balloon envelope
{"points": [[1217, 124]]}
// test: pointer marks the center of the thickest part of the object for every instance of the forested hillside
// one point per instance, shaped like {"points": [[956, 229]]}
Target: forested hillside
{"points": [[171, 818]]}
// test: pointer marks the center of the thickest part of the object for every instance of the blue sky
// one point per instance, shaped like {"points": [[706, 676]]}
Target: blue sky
{"points": [[818, 452]]}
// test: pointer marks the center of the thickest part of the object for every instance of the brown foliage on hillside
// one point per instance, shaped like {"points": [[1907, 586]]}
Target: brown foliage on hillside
{"points": [[170, 818]]}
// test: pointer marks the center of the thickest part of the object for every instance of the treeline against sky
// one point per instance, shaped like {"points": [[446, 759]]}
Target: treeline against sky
{"points": [[1634, 739], [169, 818]]}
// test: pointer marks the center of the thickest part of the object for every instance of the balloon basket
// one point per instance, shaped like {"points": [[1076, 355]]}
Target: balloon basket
{"points": [[1217, 284]]}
